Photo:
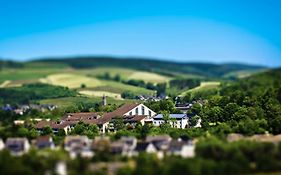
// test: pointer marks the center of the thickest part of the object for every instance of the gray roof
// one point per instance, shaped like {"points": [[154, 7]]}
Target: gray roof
{"points": [[176, 116]]}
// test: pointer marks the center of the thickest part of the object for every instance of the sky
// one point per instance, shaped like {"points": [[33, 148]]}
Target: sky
{"points": [[218, 31]]}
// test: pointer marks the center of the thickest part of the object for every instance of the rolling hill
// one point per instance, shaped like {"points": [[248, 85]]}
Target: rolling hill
{"points": [[163, 67], [75, 72]]}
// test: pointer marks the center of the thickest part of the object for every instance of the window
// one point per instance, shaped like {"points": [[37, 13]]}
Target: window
{"points": [[142, 110], [131, 113], [149, 113], [137, 111]]}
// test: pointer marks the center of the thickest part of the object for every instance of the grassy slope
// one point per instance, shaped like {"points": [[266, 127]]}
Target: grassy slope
{"points": [[203, 87], [70, 101], [150, 65], [126, 74], [71, 80]]}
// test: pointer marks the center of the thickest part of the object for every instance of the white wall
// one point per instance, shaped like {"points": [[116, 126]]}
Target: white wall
{"points": [[140, 112], [178, 124]]}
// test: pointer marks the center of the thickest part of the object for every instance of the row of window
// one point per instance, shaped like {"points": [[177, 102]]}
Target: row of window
{"points": [[142, 111]]}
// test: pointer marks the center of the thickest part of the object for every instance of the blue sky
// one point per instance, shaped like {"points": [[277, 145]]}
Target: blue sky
{"points": [[246, 31]]}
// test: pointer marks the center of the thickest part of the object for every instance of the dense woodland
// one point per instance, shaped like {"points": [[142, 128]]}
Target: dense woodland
{"points": [[31, 92]]}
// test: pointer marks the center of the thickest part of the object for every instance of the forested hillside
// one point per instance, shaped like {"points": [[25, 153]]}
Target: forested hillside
{"points": [[164, 67], [249, 106]]}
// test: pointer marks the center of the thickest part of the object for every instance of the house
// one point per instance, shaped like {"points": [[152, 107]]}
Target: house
{"points": [[133, 109], [17, 146], [7, 107], [44, 142], [100, 144], [55, 125], [161, 142], [117, 147], [2, 145], [183, 107], [131, 114], [145, 147], [185, 149], [78, 145], [124, 146], [177, 120], [130, 142], [149, 148]]}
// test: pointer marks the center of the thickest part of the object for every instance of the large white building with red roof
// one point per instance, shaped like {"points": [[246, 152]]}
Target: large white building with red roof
{"points": [[131, 114]]}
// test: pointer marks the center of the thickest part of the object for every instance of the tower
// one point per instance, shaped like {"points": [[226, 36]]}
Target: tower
{"points": [[104, 100]]}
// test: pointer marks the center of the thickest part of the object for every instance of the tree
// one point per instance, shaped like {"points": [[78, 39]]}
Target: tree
{"points": [[193, 121], [118, 123], [61, 132], [47, 130], [79, 128], [33, 133], [276, 125], [117, 78], [83, 86], [195, 109], [144, 131], [161, 88], [23, 132], [166, 125]]}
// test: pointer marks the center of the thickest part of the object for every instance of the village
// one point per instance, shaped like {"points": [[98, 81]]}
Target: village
{"points": [[131, 115]]}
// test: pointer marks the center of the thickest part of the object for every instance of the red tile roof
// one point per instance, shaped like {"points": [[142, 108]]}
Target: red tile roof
{"points": [[42, 124], [80, 116]]}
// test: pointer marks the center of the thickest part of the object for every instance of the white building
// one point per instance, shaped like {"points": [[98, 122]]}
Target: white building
{"points": [[131, 113], [176, 120], [182, 148], [2, 145], [136, 109], [78, 145], [17, 146]]}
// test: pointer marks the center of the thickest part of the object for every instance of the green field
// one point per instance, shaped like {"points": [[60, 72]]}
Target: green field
{"points": [[126, 74], [75, 81], [71, 101], [26, 74], [203, 87], [62, 75], [71, 80], [100, 94]]}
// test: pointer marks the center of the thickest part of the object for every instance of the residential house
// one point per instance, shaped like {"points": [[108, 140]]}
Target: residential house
{"points": [[44, 142], [131, 114], [17, 146], [145, 147], [124, 146], [55, 125], [183, 107], [185, 149], [100, 144], [161, 142], [2, 145], [78, 145], [176, 120]]}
